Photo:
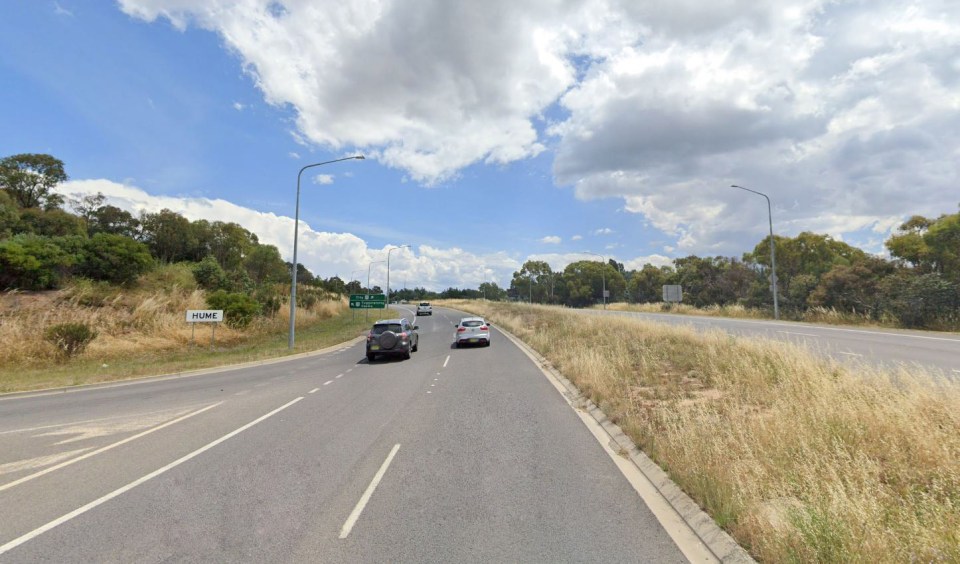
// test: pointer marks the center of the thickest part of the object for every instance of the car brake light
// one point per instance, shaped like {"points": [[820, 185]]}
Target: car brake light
{"points": [[484, 328], [461, 329], [403, 335]]}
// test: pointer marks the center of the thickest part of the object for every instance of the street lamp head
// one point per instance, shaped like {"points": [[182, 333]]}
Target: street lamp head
{"points": [[360, 157]]}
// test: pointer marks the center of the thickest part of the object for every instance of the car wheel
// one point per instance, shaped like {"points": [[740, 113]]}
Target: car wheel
{"points": [[370, 357], [416, 346], [406, 355]]}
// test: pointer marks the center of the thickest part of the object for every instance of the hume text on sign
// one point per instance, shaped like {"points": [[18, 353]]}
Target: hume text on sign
{"points": [[204, 315]]}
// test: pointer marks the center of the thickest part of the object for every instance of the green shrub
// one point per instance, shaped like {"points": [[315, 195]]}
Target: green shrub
{"points": [[115, 258], [210, 275], [238, 309], [33, 262], [70, 338]]}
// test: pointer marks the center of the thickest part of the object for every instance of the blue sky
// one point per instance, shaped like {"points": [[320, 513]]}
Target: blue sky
{"points": [[529, 132]]}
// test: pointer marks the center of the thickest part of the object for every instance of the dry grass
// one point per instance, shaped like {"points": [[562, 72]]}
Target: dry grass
{"points": [[810, 315], [130, 323], [800, 458]]}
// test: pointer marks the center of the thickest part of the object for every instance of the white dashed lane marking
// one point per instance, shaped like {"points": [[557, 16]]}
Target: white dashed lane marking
{"points": [[328, 382], [315, 390], [355, 514]]}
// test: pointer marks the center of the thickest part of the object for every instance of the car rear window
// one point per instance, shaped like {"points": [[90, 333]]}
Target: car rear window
{"points": [[395, 327], [425, 304], [472, 323]]}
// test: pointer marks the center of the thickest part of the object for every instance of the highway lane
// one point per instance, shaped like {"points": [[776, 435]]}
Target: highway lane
{"points": [[885, 347], [478, 458]]}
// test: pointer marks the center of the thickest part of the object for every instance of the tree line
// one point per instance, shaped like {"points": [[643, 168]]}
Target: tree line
{"points": [[47, 239], [43, 245], [919, 286]]}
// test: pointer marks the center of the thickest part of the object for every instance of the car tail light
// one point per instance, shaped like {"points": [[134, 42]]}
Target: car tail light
{"points": [[461, 329], [403, 335], [484, 328], [369, 336]]}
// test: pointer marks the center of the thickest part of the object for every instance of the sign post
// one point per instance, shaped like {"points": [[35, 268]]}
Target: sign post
{"points": [[672, 293], [368, 301], [195, 316]]}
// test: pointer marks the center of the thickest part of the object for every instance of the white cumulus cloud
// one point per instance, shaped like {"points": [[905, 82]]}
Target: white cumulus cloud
{"points": [[551, 240], [839, 111], [325, 254]]}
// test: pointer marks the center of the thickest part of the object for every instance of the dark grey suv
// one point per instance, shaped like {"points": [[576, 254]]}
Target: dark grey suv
{"points": [[392, 337]]}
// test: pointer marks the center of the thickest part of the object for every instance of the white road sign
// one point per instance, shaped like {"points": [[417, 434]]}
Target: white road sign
{"points": [[204, 315]]}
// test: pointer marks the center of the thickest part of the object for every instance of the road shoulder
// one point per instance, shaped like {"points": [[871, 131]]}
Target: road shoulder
{"points": [[697, 535]]}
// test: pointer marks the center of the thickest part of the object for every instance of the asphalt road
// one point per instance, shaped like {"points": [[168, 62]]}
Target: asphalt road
{"points": [[932, 350], [457, 455]]}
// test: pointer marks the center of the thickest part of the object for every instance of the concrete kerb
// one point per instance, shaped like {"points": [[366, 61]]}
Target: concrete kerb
{"points": [[718, 541], [185, 374]]}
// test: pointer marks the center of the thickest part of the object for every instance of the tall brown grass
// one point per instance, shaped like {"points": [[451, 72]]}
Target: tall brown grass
{"points": [[800, 458], [148, 318]]}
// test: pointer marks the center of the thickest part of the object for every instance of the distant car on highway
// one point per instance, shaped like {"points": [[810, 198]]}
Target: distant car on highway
{"points": [[472, 331], [424, 309], [392, 337]]}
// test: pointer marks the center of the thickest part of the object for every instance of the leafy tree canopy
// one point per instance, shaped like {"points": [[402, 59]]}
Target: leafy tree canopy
{"points": [[30, 179]]}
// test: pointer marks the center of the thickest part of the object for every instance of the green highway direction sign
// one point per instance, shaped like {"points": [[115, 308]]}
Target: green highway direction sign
{"points": [[368, 301]]}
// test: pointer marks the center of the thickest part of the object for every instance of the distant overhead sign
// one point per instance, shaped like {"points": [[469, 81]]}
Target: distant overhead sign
{"points": [[672, 293], [368, 301], [204, 315]]}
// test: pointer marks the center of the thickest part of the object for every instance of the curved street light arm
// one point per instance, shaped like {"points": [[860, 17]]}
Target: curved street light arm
{"points": [[773, 252], [296, 230]]}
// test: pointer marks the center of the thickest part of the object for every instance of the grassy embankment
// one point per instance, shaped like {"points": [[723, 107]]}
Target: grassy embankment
{"points": [[811, 315], [141, 331], [801, 459]]}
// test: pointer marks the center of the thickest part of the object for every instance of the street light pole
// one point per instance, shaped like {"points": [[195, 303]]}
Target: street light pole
{"points": [[773, 252], [388, 268], [351, 275], [296, 226], [603, 274]]}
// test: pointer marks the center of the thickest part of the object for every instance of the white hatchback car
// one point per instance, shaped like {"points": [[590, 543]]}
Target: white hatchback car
{"points": [[472, 331], [424, 309]]}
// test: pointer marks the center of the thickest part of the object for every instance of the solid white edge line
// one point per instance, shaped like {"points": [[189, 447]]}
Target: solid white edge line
{"points": [[849, 353], [358, 509], [681, 532], [103, 449], [796, 333], [641, 315], [80, 511], [446, 361]]}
